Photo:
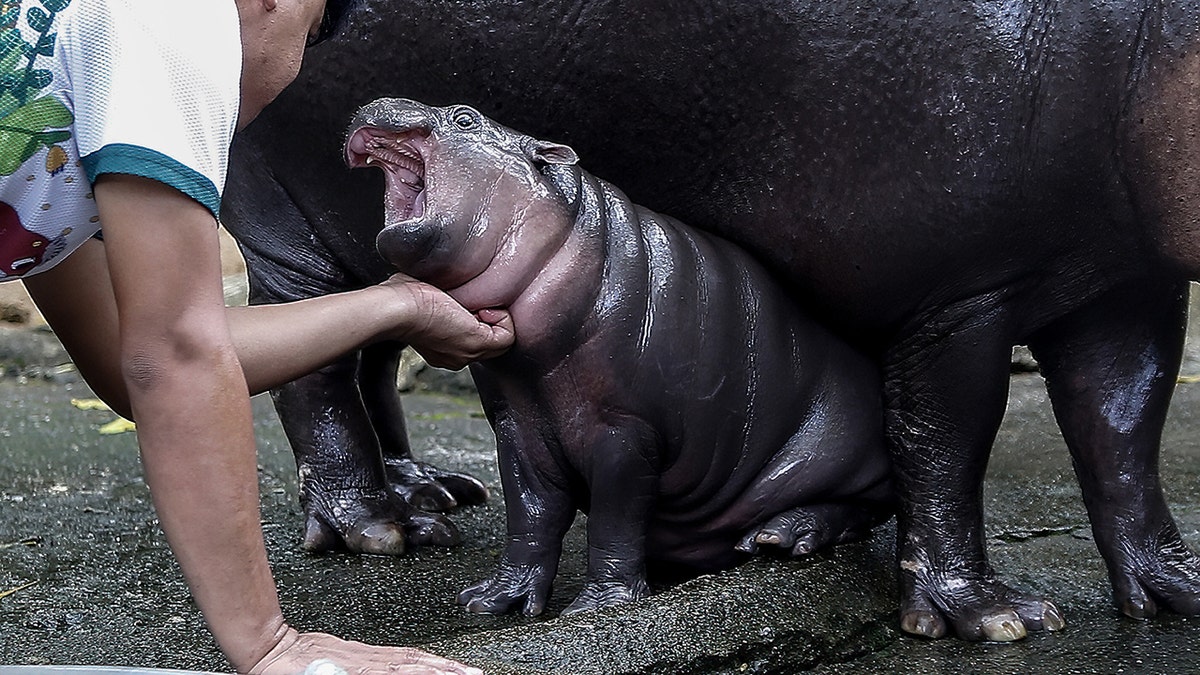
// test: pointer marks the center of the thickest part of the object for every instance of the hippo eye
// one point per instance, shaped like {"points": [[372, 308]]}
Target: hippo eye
{"points": [[465, 119]]}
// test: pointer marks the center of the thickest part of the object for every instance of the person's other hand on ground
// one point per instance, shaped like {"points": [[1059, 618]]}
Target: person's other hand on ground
{"points": [[297, 651]]}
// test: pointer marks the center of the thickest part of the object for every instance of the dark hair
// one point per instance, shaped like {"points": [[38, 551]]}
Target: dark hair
{"points": [[335, 15]]}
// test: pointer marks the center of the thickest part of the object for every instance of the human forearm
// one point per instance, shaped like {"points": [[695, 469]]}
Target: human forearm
{"points": [[200, 465], [275, 343], [279, 343]]}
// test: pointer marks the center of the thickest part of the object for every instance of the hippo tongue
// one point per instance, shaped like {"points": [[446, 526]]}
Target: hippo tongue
{"points": [[418, 205], [405, 208], [409, 178], [406, 192]]}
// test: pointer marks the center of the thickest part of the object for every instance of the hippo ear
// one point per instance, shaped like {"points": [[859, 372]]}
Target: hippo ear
{"points": [[545, 152]]}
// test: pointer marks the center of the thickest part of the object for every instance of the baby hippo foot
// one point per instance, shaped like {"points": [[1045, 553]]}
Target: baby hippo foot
{"points": [[976, 607], [527, 585], [1167, 575], [373, 522], [597, 594], [806, 529], [429, 488]]}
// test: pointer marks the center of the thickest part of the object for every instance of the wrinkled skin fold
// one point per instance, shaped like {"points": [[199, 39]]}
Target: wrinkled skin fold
{"points": [[937, 181]]}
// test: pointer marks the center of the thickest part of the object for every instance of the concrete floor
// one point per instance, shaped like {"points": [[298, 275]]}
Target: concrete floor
{"points": [[89, 579]]}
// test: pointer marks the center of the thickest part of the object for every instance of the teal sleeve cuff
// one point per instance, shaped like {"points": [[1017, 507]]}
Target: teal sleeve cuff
{"points": [[138, 161]]}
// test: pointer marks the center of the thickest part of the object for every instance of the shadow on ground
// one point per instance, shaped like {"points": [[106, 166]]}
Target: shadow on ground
{"points": [[86, 578]]}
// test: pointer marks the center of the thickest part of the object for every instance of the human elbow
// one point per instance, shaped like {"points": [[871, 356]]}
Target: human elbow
{"points": [[143, 370], [151, 365]]}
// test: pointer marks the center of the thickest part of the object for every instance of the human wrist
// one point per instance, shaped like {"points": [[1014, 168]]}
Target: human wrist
{"points": [[259, 653], [393, 306]]}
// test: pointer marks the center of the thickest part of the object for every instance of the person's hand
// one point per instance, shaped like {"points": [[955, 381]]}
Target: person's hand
{"points": [[442, 331], [323, 654]]}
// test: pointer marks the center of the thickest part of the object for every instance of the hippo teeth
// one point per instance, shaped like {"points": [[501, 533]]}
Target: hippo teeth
{"points": [[405, 168], [400, 159]]}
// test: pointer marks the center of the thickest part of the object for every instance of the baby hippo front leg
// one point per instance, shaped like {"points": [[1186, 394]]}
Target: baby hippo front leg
{"points": [[525, 576], [623, 482], [539, 512]]}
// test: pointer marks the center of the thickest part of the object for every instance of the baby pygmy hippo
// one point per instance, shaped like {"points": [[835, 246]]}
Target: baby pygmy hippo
{"points": [[660, 380]]}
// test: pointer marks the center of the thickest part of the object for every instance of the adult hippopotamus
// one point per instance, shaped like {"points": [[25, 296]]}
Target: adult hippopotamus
{"points": [[936, 180], [660, 379]]}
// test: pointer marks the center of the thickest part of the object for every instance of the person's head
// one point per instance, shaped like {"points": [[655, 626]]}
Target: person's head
{"points": [[274, 36]]}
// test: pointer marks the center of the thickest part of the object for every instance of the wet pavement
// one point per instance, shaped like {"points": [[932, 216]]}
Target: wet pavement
{"points": [[86, 577]]}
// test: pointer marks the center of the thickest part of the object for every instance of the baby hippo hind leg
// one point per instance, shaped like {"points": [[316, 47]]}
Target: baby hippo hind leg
{"points": [[831, 482], [807, 529]]}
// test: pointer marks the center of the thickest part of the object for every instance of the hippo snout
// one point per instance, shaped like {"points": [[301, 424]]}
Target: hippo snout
{"points": [[394, 114], [393, 135], [381, 121]]}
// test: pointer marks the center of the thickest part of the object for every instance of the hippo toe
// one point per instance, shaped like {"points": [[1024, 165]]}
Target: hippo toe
{"points": [[808, 529], [430, 488], [379, 523]]}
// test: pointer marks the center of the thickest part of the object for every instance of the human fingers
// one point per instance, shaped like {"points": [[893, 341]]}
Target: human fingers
{"points": [[322, 654], [501, 331], [356, 658], [494, 316], [453, 339]]}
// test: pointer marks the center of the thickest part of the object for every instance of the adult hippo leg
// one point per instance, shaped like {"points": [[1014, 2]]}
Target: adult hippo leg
{"points": [[347, 501], [1111, 369], [945, 386], [422, 485]]}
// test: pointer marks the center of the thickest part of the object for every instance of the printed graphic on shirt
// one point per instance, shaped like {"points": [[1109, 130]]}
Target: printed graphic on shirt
{"points": [[29, 121], [32, 120], [20, 249]]}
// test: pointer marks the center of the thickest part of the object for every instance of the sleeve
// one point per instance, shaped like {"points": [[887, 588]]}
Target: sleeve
{"points": [[156, 87]]}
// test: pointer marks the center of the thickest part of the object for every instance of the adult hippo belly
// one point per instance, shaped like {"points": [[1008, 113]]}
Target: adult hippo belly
{"points": [[938, 180]]}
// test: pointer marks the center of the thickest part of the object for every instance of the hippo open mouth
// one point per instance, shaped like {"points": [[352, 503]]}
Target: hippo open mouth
{"points": [[399, 155]]}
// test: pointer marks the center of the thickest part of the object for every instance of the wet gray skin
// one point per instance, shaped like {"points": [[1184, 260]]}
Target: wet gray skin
{"points": [[659, 381], [937, 181]]}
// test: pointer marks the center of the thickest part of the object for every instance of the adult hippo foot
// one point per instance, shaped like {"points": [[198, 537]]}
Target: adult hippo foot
{"points": [[1167, 575], [429, 488], [807, 529], [375, 522], [976, 607], [527, 585], [597, 594]]}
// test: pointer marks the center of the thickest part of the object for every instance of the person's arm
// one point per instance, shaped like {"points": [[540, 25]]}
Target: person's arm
{"points": [[186, 389], [278, 343], [274, 343]]}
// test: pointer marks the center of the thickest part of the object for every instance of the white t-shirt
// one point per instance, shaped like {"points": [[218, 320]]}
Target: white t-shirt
{"points": [[143, 87]]}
